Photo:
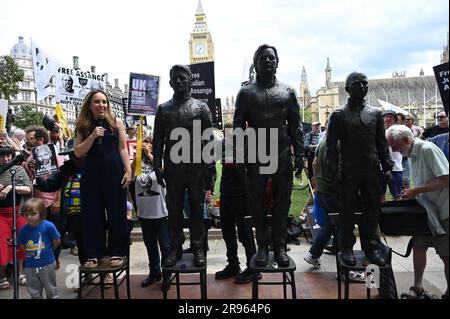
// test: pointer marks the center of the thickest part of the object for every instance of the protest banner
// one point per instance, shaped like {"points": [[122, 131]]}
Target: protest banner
{"points": [[143, 94], [203, 86], [45, 159], [73, 85], [442, 77]]}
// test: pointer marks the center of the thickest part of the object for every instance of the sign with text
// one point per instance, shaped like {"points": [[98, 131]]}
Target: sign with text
{"points": [[143, 94], [73, 85], [203, 86], [442, 77], [131, 145], [45, 160], [217, 115]]}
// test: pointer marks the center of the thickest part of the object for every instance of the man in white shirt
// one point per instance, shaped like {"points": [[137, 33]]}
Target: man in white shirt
{"points": [[429, 172]]}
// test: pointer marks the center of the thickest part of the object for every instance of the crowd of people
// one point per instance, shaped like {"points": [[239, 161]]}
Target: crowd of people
{"points": [[89, 201]]}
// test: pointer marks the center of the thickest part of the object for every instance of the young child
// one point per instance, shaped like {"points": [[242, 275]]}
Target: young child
{"points": [[38, 239], [152, 213]]}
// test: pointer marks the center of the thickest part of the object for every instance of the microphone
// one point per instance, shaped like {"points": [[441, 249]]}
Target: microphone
{"points": [[16, 161], [100, 121]]}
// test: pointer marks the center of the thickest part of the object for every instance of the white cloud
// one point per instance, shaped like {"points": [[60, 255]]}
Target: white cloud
{"points": [[376, 37]]}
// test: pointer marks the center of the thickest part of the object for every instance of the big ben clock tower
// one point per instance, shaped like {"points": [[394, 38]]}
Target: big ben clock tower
{"points": [[201, 47]]}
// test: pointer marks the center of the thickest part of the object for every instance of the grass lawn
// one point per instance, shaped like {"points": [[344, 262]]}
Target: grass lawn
{"points": [[298, 197]]}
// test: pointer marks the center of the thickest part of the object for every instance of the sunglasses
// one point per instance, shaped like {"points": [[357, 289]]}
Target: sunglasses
{"points": [[441, 117]]}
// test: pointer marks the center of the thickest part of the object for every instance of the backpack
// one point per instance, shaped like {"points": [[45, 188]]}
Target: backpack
{"points": [[294, 229]]}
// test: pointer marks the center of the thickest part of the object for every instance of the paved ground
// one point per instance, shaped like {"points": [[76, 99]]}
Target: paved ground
{"points": [[434, 275]]}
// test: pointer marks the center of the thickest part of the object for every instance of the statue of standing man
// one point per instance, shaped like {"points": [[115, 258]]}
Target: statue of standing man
{"points": [[182, 113], [364, 157], [263, 105]]}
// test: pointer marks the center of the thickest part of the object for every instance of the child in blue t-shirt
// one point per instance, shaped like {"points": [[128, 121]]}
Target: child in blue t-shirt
{"points": [[38, 239]]}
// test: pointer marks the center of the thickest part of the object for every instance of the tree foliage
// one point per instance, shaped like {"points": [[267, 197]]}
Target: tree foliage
{"points": [[10, 77], [28, 116], [308, 116]]}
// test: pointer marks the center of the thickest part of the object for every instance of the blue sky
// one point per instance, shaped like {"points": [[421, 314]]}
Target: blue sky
{"points": [[376, 37]]}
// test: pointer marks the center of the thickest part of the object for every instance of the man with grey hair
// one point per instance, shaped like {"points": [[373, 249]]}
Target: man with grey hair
{"points": [[19, 136], [429, 171]]}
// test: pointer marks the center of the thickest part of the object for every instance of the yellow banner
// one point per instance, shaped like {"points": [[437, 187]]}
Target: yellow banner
{"points": [[139, 148], [62, 120]]}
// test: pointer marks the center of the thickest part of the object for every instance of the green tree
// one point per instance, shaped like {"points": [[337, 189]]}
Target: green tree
{"points": [[308, 116], [28, 116], [10, 76]]}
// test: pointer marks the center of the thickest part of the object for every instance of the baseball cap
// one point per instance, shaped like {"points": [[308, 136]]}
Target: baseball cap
{"points": [[387, 112]]}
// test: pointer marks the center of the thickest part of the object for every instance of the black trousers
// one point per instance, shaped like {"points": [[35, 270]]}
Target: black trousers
{"points": [[74, 226], [281, 191], [179, 178], [310, 165], [234, 212], [360, 192]]}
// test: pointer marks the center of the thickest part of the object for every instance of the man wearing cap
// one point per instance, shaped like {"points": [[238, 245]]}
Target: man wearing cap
{"points": [[363, 148], [56, 138], [311, 141]]}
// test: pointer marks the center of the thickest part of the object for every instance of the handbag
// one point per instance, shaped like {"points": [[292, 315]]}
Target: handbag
{"points": [[404, 218]]}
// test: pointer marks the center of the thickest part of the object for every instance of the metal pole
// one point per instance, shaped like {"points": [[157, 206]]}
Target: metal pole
{"points": [[34, 81], [424, 106], [409, 103], [14, 236], [435, 104]]}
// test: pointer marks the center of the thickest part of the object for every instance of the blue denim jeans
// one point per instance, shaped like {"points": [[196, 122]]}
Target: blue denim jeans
{"points": [[395, 185], [329, 204]]}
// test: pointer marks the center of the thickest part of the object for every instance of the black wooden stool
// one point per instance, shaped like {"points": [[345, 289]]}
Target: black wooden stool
{"points": [[184, 266], [343, 269], [384, 273], [271, 267], [102, 269]]}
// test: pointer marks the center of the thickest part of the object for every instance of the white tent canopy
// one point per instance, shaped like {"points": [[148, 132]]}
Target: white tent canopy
{"points": [[391, 107]]}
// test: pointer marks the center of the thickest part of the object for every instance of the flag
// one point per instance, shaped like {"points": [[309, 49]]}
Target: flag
{"points": [[62, 120], [391, 107], [139, 149], [3, 112], [44, 67]]}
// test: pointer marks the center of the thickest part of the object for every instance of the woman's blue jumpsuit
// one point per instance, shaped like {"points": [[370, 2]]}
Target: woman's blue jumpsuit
{"points": [[101, 192]]}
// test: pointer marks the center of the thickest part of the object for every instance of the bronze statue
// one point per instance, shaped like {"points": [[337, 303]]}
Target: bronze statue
{"points": [[263, 104], [181, 112], [363, 147]]}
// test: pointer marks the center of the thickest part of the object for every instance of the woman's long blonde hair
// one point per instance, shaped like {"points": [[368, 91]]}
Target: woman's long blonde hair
{"points": [[85, 122]]}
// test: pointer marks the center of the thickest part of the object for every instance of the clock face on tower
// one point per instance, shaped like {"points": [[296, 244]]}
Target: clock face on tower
{"points": [[199, 49]]}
